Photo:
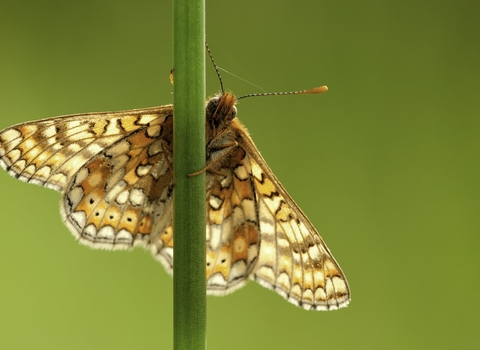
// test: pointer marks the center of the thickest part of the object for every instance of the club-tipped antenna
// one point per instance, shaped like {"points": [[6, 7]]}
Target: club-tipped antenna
{"points": [[215, 66], [317, 90]]}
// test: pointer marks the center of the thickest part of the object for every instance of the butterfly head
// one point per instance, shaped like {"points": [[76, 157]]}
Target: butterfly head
{"points": [[220, 111]]}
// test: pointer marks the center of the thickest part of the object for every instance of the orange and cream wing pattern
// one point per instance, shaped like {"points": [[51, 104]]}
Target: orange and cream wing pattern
{"points": [[49, 152], [122, 197], [293, 260], [232, 226], [256, 230], [114, 170]]}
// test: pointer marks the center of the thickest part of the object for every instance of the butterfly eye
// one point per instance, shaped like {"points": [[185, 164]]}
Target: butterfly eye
{"points": [[233, 114], [212, 105]]}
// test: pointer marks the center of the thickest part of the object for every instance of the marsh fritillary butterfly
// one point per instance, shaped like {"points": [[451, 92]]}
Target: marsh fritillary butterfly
{"points": [[114, 171]]}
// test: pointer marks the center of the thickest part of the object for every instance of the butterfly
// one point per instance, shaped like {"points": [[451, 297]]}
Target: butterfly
{"points": [[115, 173]]}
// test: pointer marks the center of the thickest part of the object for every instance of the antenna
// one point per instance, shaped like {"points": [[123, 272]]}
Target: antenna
{"points": [[215, 66], [317, 90]]}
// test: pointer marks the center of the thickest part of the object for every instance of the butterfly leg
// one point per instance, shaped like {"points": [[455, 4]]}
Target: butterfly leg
{"points": [[226, 149]]}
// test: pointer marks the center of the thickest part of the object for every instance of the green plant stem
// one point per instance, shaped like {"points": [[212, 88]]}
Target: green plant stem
{"points": [[189, 299]]}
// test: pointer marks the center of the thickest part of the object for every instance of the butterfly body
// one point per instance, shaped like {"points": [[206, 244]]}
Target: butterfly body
{"points": [[115, 173]]}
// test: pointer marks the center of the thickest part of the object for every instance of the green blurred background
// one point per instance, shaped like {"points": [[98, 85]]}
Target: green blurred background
{"points": [[385, 165]]}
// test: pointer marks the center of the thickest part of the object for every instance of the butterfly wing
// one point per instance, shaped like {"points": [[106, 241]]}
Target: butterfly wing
{"points": [[292, 258], [49, 152], [232, 225], [114, 170]]}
